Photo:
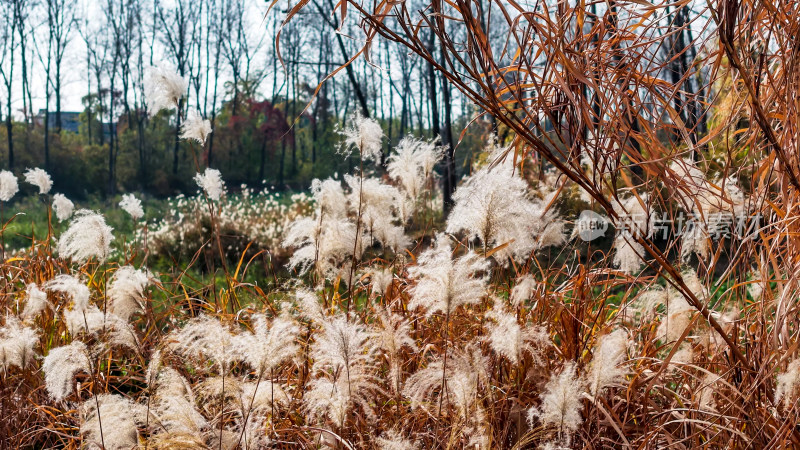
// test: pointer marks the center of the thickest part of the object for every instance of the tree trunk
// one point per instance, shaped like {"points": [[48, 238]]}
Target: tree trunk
{"points": [[177, 140], [57, 92], [447, 140], [47, 135], [263, 157], [362, 99], [10, 135]]}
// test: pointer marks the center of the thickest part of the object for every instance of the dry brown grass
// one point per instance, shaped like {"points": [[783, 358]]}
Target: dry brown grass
{"points": [[601, 88]]}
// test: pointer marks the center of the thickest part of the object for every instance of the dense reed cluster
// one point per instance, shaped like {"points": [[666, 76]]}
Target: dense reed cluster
{"points": [[260, 218], [388, 327]]}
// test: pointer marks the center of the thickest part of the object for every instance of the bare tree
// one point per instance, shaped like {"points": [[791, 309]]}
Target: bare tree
{"points": [[176, 28], [21, 14], [8, 46], [98, 52], [60, 18], [235, 43], [238, 48], [326, 8], [682, 68], [215, 25]]}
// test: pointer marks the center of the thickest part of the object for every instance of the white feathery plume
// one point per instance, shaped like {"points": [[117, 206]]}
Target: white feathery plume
{"points": [[39, 178], [71, 286], [258, 396], [92, 320], [386, 232], [787, 383], [309, 305], [185, 439], [406, 208], [554, 445], [693, 283], [379, 213], [173, 406], [726, 320], [509, 339], [756, 286], [679, 311], [628, 254], [494, 205], [308, 237], [427, 154], [329, 197], [324, 244], [704, 199], [256, 401], [61, 365], [634, 221], [253, 435], [412, 164], [132, 205], [561, 403], [554, 232], [325, 241], [329, 399], [163, 89], [87, 236], [695, 241], [634, 216], [342, 346], [120, 333], [63, 207], [119, 418], [643, 306], [686, 169], [343, 356], [444, 284], [684, 356], [206, 337], [211, 182], [372, 193], [705, 398], [8, 185], [269, 344], [467, 371], [478, 436], [678, 317], [153, 368], [609, 353], [403, 167], [126, 291], [394, 334], [215, 389], [394, 440], [366, 135], [17, 344], [35, 302], [526, 285], [195, 127], [380, 280], [89, 320]]}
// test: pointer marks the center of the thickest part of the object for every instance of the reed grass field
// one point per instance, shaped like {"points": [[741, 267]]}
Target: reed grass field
{"points": [[616, 268]]}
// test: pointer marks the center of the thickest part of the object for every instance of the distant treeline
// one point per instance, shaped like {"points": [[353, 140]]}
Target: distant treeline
{"points": [[258, 145]]}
